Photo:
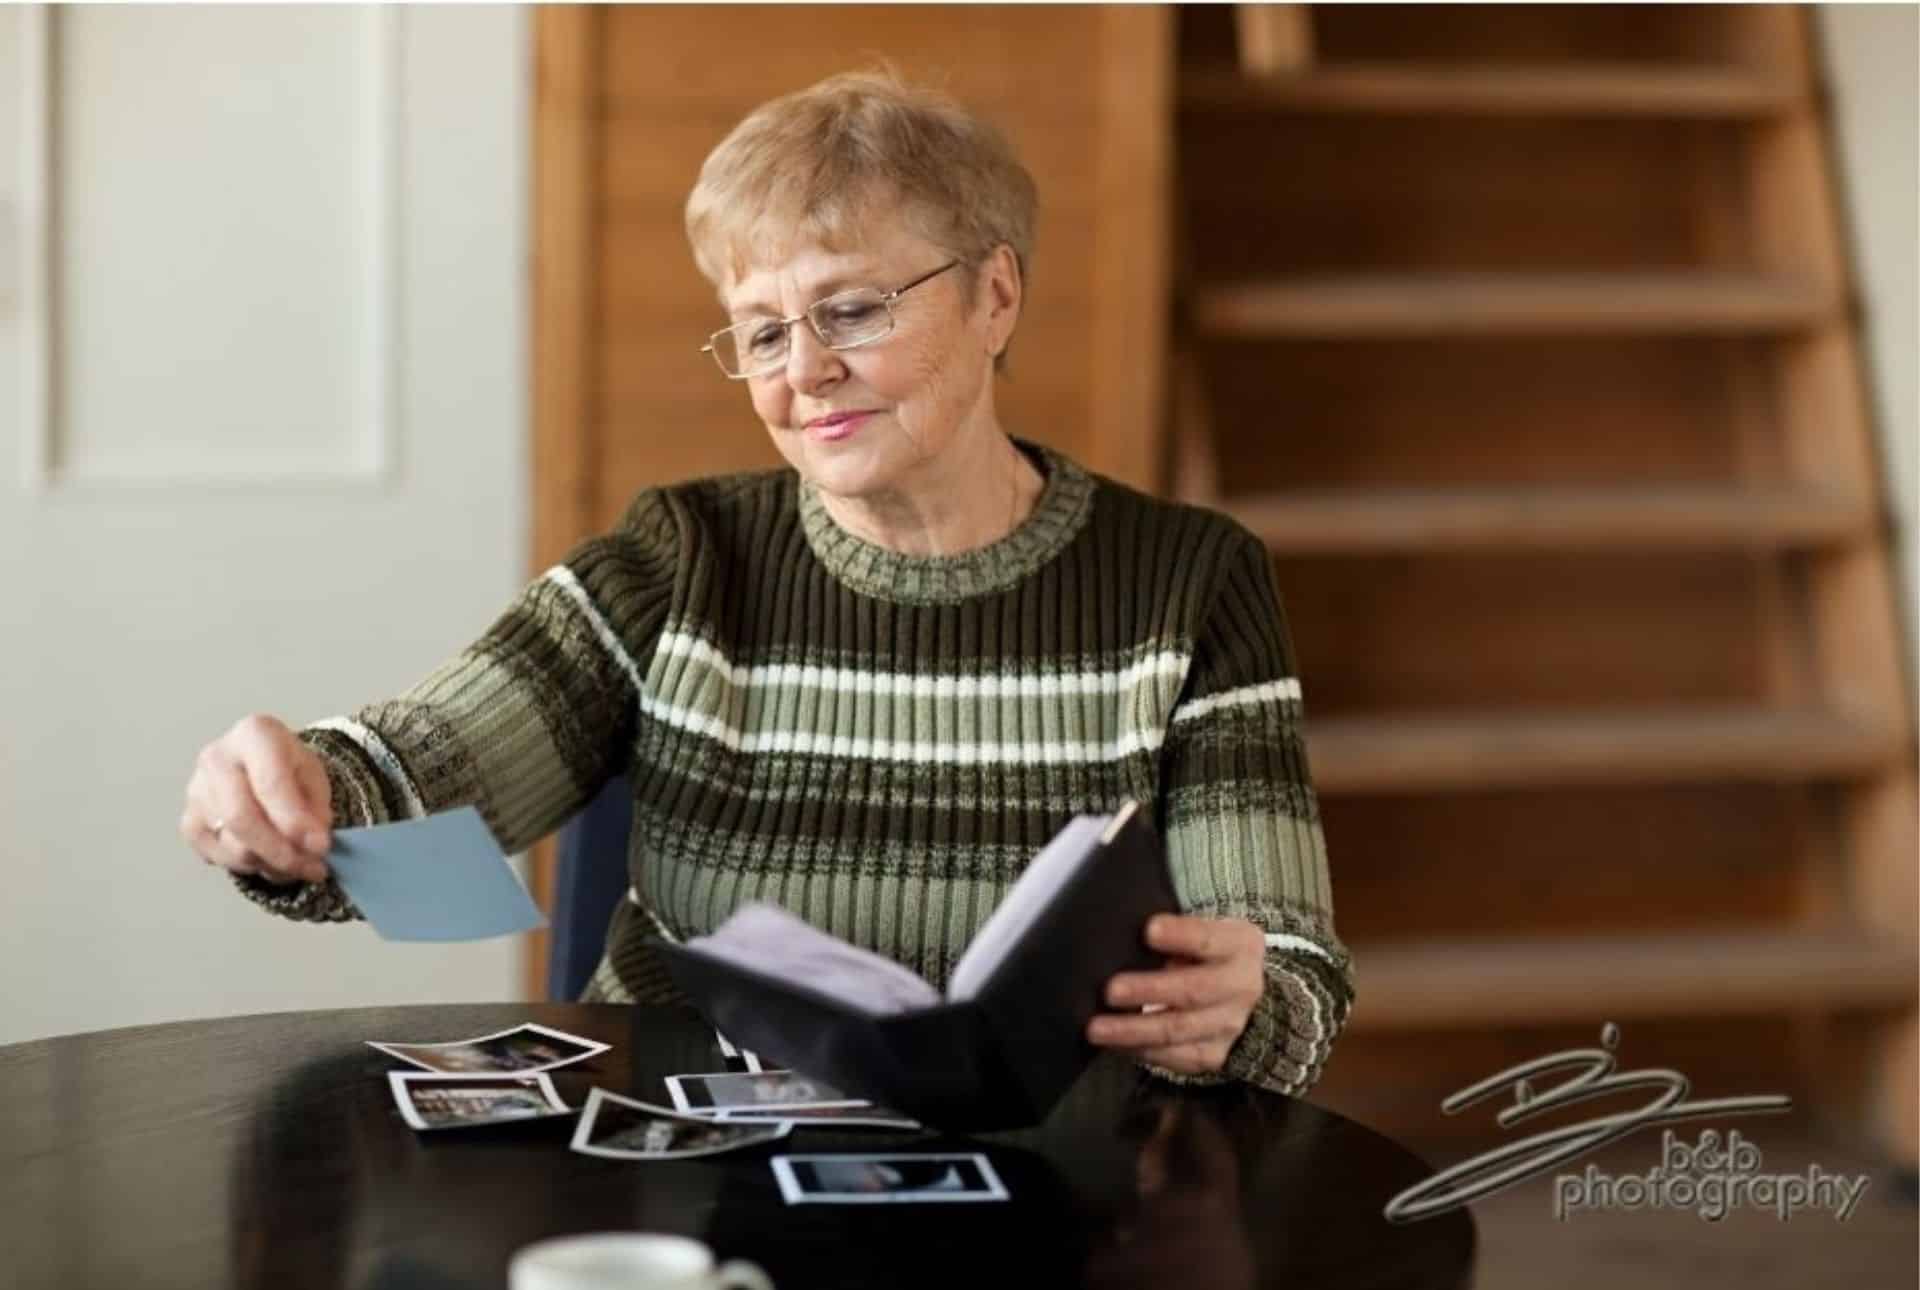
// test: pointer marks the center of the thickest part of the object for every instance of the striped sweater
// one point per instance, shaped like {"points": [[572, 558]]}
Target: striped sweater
{"points": [[880, 742]]}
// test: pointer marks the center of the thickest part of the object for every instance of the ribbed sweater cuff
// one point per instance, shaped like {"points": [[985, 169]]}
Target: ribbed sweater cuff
{"points": [[1288, 1035]]}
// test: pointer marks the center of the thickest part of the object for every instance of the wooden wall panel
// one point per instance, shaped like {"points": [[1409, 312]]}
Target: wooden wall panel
{"points": [[1534, 33], [565, 161], [722, 61], [1589, 410], [1390, 194], [1593, 632], [1578, 861]]}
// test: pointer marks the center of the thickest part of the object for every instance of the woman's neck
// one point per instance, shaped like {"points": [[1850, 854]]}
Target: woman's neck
{"points": [[973, 497]]}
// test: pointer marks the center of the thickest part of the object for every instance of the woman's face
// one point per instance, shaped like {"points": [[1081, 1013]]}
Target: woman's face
{"points": [[878, 418]]}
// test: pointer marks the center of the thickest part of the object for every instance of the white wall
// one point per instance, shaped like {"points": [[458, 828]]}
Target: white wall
{"points": [[272, 231], [1873, 61]]}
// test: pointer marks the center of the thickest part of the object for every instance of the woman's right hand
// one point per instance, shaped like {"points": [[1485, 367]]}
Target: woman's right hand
{"points": [[259, 802]]}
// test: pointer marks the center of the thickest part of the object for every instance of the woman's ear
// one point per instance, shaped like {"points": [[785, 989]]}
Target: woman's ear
{"points": [[1000, 296]]}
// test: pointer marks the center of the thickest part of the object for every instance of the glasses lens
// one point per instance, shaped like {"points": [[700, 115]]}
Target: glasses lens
{"points": [[852, 317], [749, 348]]}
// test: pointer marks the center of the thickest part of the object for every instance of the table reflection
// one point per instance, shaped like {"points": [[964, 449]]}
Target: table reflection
{"points": [[1185, 1223]]}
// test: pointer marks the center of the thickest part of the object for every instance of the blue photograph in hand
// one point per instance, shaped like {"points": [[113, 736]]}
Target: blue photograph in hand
{"points": [[441, 878]]}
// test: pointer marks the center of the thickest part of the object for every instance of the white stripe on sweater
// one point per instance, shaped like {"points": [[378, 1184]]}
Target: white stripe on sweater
{"points": [[562, 577], [1288, 941], [807, 742], [678, 643], [666, 933], [1243, 697], [382, 756]]}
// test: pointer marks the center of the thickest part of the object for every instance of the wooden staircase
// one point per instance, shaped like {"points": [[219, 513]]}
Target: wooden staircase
{"points": [[1525, 338]]}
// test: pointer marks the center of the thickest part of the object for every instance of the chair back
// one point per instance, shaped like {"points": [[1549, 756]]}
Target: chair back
{"points": [[589, 881]]}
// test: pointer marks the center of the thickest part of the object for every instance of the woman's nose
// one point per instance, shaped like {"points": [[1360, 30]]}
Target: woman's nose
{"points": [[810, 364]]}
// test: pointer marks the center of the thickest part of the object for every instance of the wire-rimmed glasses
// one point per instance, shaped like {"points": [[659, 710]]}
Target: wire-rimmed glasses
{"points": [[844, 320]]}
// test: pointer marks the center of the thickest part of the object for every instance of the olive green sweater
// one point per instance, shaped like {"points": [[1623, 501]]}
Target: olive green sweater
{"points": [[880, 742]]}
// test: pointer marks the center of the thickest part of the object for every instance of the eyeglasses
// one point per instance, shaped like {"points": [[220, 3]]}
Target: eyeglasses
{"points": [[846, 320]]}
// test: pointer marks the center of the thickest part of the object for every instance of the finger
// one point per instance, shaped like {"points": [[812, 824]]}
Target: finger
{"points": [[245, 828], [317, 790], [197, 823], [1165, 1029], [1181, 986], [1195, 937], [289, 783], [213, 847], [192, 826], [235, 858], [229, 854], [198, 837], [1203, 1058]]}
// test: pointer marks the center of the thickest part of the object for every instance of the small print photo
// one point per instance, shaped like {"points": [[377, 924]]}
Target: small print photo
{"points": [[428, 1100], [857, 1115], [621, 1128], [524, 1049], [762, 1090], [887, 1180]]}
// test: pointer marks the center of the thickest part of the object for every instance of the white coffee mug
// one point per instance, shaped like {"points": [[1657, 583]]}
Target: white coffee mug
{"points": [[628, 1261]]}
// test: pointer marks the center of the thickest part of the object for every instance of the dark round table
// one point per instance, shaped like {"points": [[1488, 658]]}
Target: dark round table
{"points": [[266, 1151]]}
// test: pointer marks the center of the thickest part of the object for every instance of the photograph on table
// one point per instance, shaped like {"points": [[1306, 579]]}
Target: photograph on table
{"points": [[430, 1100], [887, 1180], [621, 1128], [524, 1049], [761, 1090]]}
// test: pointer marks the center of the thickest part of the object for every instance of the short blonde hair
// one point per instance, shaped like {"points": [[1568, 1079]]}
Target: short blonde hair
{"points": [[822, 161]]}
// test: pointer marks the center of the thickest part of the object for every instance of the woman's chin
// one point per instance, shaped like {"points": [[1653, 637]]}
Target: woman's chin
{"points": [[846, 470]]}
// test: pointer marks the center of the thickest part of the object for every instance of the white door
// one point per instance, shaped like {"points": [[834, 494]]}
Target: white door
{"points": [[262, 426]]}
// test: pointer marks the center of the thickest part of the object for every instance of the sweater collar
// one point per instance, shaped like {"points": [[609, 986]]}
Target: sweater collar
{"points": [[1064, 504]]}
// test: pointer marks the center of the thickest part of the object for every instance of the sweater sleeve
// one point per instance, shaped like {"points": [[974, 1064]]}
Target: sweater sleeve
{"points": [[525, 724], [1242, 825]]}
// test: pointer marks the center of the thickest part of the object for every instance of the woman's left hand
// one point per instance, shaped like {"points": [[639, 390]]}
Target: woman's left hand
{"points": [[1215, 974]]}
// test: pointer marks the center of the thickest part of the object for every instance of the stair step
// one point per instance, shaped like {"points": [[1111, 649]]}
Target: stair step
{"points": [[1490, 983], [1510, 519], [1450, 305], [1586, 89], [1427, 752]]}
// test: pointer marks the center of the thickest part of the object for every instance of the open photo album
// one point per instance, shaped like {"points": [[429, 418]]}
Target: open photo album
{"points": [[1005, 1039]]}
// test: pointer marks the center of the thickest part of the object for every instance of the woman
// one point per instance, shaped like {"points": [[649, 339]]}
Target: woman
{"points": [[871, 686]]}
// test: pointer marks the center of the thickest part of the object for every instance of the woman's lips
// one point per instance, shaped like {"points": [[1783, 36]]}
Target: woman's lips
{"points": [[838, 426]]}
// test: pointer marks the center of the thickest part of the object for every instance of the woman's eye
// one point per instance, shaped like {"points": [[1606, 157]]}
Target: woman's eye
{"points": [[764, 340], [852, 313]]}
